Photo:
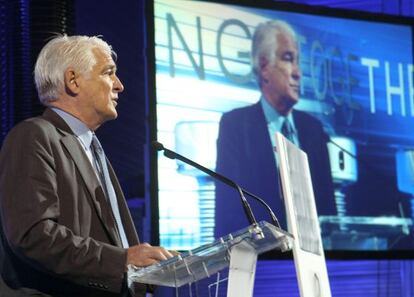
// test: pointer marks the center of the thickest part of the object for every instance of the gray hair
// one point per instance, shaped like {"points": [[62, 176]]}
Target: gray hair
{"points": [[58, 55], [264, 43]]}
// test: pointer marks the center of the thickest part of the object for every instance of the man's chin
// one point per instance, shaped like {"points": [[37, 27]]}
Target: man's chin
{"points": [[111, 115], [293, 100]]}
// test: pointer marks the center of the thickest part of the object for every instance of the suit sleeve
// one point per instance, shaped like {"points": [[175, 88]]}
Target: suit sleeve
{"points": [[30, 212]]}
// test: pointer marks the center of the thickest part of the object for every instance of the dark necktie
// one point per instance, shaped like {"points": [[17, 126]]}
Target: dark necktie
{"points": [[287, 131], [105, 179]]}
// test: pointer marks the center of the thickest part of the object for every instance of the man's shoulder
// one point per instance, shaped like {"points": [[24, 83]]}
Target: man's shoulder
{"points": [[243, 111], [305, 117], [33, 128], [33, 125]]}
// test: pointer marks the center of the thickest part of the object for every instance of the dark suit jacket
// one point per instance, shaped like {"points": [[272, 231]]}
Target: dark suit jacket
{"points": [[245, 154], [58, 232]]}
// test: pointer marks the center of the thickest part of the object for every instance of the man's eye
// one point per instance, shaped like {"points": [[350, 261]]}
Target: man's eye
{"points": [[288, 57]]}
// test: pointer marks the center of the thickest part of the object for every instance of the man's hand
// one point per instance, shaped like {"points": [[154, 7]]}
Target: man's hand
{"points": [[144, 254]]}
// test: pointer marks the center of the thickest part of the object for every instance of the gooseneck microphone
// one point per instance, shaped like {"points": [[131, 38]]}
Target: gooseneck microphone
{"points": [[247, 209]]}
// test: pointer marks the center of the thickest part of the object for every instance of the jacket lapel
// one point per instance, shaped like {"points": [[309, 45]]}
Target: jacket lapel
{"points": [[87, 173]]}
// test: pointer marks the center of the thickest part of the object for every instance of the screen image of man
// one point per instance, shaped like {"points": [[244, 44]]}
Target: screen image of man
{"points": [[65, 226], [246, 135]]}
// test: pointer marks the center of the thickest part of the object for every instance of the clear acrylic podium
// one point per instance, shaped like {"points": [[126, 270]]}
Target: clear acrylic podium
{"points": [[238, 251]]}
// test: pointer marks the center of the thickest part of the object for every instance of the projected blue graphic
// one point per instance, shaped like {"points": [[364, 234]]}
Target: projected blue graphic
{"points": [[356, 79]]}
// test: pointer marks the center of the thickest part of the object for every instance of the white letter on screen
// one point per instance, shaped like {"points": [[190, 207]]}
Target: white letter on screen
{"points": [[394, 90]]}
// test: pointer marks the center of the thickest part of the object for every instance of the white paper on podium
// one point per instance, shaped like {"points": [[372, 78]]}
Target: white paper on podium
{"points": [[302, 219]]}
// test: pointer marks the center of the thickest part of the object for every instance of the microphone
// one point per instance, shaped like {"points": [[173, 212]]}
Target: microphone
{"points": [[247, 209]]}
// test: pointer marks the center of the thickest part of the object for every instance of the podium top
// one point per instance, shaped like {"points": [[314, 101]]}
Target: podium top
{"points": [[204, 261]]}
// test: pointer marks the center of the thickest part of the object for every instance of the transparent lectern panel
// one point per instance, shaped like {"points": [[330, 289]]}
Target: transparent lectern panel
{"points": [[208, 259]]}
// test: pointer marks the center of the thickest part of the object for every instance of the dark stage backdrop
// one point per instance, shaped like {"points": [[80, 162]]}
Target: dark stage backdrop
{"points": [[24, 27]]}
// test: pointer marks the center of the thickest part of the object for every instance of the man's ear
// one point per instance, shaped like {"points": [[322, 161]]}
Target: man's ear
{"points": [[71, 83]]}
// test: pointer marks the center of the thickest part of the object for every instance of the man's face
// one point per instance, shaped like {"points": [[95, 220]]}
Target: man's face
{"points": [[281, 77], [100, 88]]}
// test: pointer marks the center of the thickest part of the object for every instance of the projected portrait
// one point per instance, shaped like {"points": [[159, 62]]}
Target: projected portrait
{"points": [[246, 141]]}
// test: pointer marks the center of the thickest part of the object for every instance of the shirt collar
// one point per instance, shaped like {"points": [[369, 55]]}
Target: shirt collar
{"points": [[273, 116], [82, 132]]}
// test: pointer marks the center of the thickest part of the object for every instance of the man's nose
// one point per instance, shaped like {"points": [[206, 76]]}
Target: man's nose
{"points": [[118, 86], [296, 72]]}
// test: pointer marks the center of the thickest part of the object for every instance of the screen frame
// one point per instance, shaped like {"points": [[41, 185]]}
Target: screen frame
{"points": [[151, 161]]}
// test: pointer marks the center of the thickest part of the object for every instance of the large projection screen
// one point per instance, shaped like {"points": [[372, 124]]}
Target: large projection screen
{"points": [[356, 80]]}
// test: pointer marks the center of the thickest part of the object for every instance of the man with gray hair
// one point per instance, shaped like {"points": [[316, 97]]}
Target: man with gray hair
{"points": [[65, 226], [246, 135]]}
